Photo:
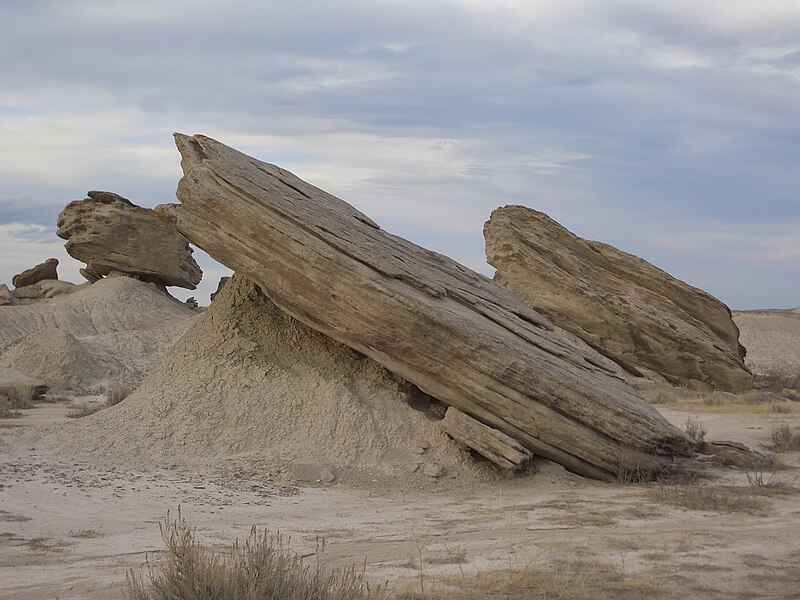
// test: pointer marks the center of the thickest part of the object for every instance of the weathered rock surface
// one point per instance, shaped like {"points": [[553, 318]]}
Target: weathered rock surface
{"points": [[110, 233], [455, 334], [6, 297], [619, 304], [46, 270], [222, 282]]}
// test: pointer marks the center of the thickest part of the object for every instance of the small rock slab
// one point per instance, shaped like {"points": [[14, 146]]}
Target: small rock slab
{"points": [[46, 270]]}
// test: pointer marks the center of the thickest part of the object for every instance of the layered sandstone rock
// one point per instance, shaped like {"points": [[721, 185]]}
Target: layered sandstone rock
{"points": [[621, 305], [110, 233], [453, 333], [45, 270]]}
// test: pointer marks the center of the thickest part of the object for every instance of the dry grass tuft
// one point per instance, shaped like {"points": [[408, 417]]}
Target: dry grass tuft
{"points": [[261, 568], [573, 580], [117, 393], [712, 497], [114, 395], [695, 430], [784, 439]]}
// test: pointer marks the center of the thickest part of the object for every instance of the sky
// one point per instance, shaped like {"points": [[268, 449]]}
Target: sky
{"points": [[669, 129]]}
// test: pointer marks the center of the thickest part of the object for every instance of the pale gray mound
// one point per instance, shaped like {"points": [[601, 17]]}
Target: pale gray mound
{"points": [[55, 356], [772, 339], [250, 381], [108, 306], [113, 330]]}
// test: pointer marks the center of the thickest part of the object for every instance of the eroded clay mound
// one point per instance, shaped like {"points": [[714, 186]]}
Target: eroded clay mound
{"points": [[772, 340], [57, 357], [108, 306], [626, 308], [248, 379], [114, 330]]}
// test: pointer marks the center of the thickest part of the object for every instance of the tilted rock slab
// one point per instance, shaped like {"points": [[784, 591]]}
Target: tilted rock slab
{"points": [[46, 270], [110, 233], [455, 334], [621, 305]]}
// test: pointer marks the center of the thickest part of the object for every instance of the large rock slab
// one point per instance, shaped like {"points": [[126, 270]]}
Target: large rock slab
{"points": [[110, 233], [455, 334], [46, 270], [621, 305]]}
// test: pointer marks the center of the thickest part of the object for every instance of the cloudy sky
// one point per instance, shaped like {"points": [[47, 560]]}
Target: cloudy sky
{"points": [[670, 129]]}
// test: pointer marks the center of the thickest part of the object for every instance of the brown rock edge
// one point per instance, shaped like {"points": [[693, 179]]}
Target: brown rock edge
{"points": [[452, 332]]}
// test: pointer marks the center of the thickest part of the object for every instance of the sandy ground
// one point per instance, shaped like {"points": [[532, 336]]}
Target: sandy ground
{"points": [[72, 531]]}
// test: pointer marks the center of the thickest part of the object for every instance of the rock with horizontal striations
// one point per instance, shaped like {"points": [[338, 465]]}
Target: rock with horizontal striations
{"points": [[45, 270], [455, 334], [110, 233], [621, 305]]}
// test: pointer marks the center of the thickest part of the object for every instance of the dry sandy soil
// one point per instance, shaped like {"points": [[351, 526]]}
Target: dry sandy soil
{"points": [[72, 525], [73, 530]]}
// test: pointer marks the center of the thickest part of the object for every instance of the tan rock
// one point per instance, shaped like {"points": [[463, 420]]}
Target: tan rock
{"points": [[619, 304], [109, 233], [456, 335], [6, 297], [45, 270]]}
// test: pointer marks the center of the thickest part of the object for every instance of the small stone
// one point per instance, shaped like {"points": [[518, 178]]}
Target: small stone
{"points": [[433, 470]]}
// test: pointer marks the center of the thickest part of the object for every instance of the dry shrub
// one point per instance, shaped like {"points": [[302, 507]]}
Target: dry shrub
{"points": [[6, 412], [695, 430], [262, 568], [712, 497], [21, 396], [117, 393], [784, 439], [577, 579]]}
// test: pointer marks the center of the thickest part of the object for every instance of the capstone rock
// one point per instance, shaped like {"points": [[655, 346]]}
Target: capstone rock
{"points": [[45, 270], [110, 233], [621, 305]]}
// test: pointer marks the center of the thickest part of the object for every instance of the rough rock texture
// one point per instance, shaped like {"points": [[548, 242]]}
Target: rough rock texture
{"points": [[6, 297], [45, 270], [109, 233], [621, 305], [453, 333], [248, 382]]}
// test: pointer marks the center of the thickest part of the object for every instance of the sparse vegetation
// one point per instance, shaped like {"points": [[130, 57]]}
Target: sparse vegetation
{"points": [[21, 397], [578, 579], [115, 394], [6, 412], [711, 497], [263, 567], [755, 401], [695, 430], [784, 439]]}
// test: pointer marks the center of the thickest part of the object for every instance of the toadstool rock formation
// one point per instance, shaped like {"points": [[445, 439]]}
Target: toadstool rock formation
{"points": [[455, 334], [110, 233], [621, 305]]}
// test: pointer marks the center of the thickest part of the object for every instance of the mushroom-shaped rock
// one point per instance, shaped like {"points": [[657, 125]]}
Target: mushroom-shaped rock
{"points": [[110, 233], [621, 305]]}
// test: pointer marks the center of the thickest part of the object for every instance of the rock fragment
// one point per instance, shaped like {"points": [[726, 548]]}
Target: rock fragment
{"points": [[45, 270]]}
